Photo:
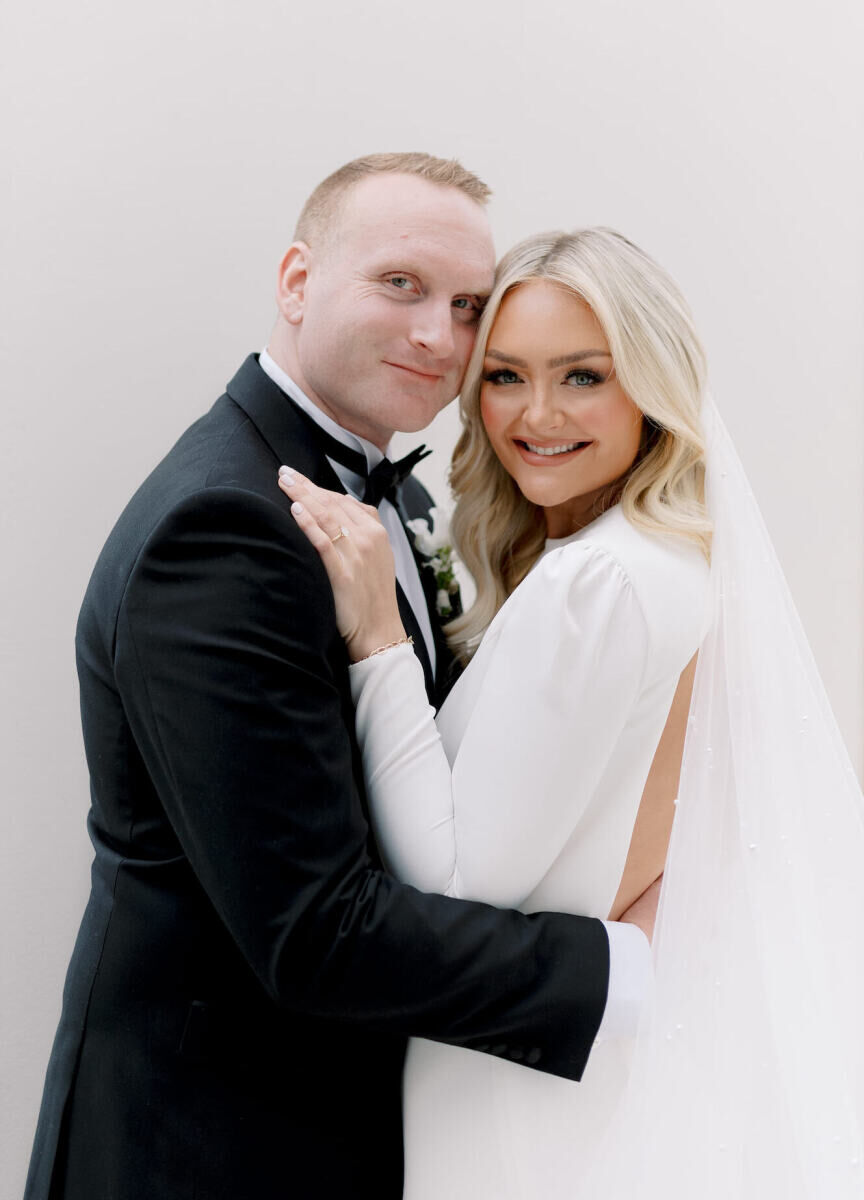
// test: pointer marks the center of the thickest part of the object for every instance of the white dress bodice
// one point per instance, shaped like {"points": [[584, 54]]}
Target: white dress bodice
{"points": [[524, 794]]}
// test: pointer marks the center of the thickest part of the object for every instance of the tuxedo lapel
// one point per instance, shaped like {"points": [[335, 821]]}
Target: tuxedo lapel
{"points": [[284, 428], [412, 628], [288, 433]]}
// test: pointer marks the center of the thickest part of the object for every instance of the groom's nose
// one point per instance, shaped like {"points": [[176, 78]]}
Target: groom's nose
{"points": [[432, 329]]}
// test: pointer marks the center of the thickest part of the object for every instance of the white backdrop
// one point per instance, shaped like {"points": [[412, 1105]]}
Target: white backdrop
{"points": [[158, 155]]}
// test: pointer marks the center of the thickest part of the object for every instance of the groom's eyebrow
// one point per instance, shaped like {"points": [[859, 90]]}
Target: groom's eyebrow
{"points": [[562, 361]]}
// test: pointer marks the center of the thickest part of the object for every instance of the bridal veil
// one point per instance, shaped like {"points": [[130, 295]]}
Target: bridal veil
{"points": [[747, 1078]]}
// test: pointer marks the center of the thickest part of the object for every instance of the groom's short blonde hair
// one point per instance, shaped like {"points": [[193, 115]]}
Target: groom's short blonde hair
{"points": [[321, 211]]}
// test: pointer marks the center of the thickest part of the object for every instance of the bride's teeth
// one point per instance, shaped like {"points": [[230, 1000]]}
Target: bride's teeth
{"points": [[552, 449]]}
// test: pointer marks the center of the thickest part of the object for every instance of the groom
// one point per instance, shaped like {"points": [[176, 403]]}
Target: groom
{"points": [[246, 975]]}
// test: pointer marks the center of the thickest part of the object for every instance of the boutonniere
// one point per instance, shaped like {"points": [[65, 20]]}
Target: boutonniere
{"points": [[432, 542]]}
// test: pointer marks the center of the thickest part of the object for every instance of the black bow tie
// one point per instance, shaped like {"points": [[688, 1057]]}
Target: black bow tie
{"points": [[387, 477], [383, 480]]}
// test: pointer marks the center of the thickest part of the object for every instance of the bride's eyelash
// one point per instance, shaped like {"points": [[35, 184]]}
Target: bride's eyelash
{"points": [[495, 376], [591, 375]]}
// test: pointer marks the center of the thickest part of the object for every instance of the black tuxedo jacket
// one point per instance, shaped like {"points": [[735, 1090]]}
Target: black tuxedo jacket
{"points": [[245, 977]]}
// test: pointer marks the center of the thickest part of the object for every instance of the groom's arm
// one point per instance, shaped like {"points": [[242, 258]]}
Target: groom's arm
{"points": [[229, 666]]}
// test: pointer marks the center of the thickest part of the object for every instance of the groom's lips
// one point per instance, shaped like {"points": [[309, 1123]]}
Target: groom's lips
{"points": [[413, 371]]}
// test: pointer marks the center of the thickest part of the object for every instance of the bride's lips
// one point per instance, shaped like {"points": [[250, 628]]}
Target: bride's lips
{"points": [[413, 371], [548, 460]]}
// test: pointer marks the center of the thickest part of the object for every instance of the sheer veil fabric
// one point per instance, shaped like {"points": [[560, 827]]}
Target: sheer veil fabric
{"points": [[746, 1077]]}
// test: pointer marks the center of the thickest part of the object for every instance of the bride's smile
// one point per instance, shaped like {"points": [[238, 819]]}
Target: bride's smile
{"points": [[554, 455]]}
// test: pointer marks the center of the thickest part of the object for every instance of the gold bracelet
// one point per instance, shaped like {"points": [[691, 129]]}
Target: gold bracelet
{"points": [[403, 641]]}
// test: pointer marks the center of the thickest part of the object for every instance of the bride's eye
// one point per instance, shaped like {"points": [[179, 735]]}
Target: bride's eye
{"points": [[582, 379], [502, 376]]}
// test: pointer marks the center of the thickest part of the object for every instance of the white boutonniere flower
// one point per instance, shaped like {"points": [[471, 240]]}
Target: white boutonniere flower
{"points": [[433, 542]]}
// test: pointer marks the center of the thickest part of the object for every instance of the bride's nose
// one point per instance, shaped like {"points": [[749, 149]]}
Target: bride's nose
{"points": [[543, 410]]}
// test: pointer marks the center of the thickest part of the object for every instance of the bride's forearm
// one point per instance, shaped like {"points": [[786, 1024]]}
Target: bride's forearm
{"points": [[643, 910], [406, 770]]}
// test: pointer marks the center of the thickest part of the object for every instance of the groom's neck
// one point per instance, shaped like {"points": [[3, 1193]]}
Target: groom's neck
{"points": [[282, 350]]}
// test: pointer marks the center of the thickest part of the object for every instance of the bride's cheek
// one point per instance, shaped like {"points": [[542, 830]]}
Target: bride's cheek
{"points": [[489, 410]]}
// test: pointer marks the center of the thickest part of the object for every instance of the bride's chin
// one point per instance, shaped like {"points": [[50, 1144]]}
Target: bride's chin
{"points": [[545, 497]]}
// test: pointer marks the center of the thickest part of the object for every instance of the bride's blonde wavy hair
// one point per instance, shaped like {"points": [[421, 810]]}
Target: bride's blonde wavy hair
{"points": [[660, 364]]}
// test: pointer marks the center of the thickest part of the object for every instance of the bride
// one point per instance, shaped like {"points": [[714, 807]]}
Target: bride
{"points": [[551, 775]]}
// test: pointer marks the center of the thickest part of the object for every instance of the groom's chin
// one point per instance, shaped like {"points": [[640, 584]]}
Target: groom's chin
{"points": [[411, 413]]}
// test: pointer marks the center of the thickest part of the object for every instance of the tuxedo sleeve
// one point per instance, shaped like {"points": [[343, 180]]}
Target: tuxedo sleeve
{"points": [[235, 685]]}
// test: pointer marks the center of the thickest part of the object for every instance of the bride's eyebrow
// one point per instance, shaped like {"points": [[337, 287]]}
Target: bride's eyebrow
{"points": [[572, 358], [505, 358], [561, 361]]}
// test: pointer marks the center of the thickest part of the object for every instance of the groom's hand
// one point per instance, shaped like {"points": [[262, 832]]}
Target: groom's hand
{"points": [[643, 911]]}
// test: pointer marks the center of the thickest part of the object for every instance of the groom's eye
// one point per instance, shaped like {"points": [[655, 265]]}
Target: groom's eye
{"points": [[470, 306], [402, 282]]}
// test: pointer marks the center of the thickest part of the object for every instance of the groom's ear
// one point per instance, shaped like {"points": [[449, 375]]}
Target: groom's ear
{"points": [[291, 286]]}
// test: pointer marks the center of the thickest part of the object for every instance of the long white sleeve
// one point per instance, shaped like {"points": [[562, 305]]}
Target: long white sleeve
{"points": [[567, 659]]}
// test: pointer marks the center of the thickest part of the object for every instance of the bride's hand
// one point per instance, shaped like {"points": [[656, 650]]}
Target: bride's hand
{"points": [[357, 557]]}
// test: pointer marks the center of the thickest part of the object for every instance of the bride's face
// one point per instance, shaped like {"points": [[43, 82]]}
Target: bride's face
{"points": [[554, 411]]}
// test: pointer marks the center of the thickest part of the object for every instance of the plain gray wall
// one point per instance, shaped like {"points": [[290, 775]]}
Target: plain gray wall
{"points": [[158, 154]]}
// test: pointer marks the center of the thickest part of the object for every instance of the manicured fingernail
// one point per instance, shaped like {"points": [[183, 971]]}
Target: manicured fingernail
{"points": [[297, 507], [286, 474]]}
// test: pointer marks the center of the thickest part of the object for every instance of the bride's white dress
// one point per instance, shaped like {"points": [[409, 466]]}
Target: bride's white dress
{"points": [[524, 794]]}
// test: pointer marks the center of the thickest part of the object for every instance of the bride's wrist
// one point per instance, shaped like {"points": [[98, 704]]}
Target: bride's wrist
{"points": [[375, 641], [402, 641]]}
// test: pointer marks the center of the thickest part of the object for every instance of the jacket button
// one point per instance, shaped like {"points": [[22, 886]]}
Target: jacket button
{"points": [[516, 1053], [483, 1047], [534, 1055], [500, 1048]]}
